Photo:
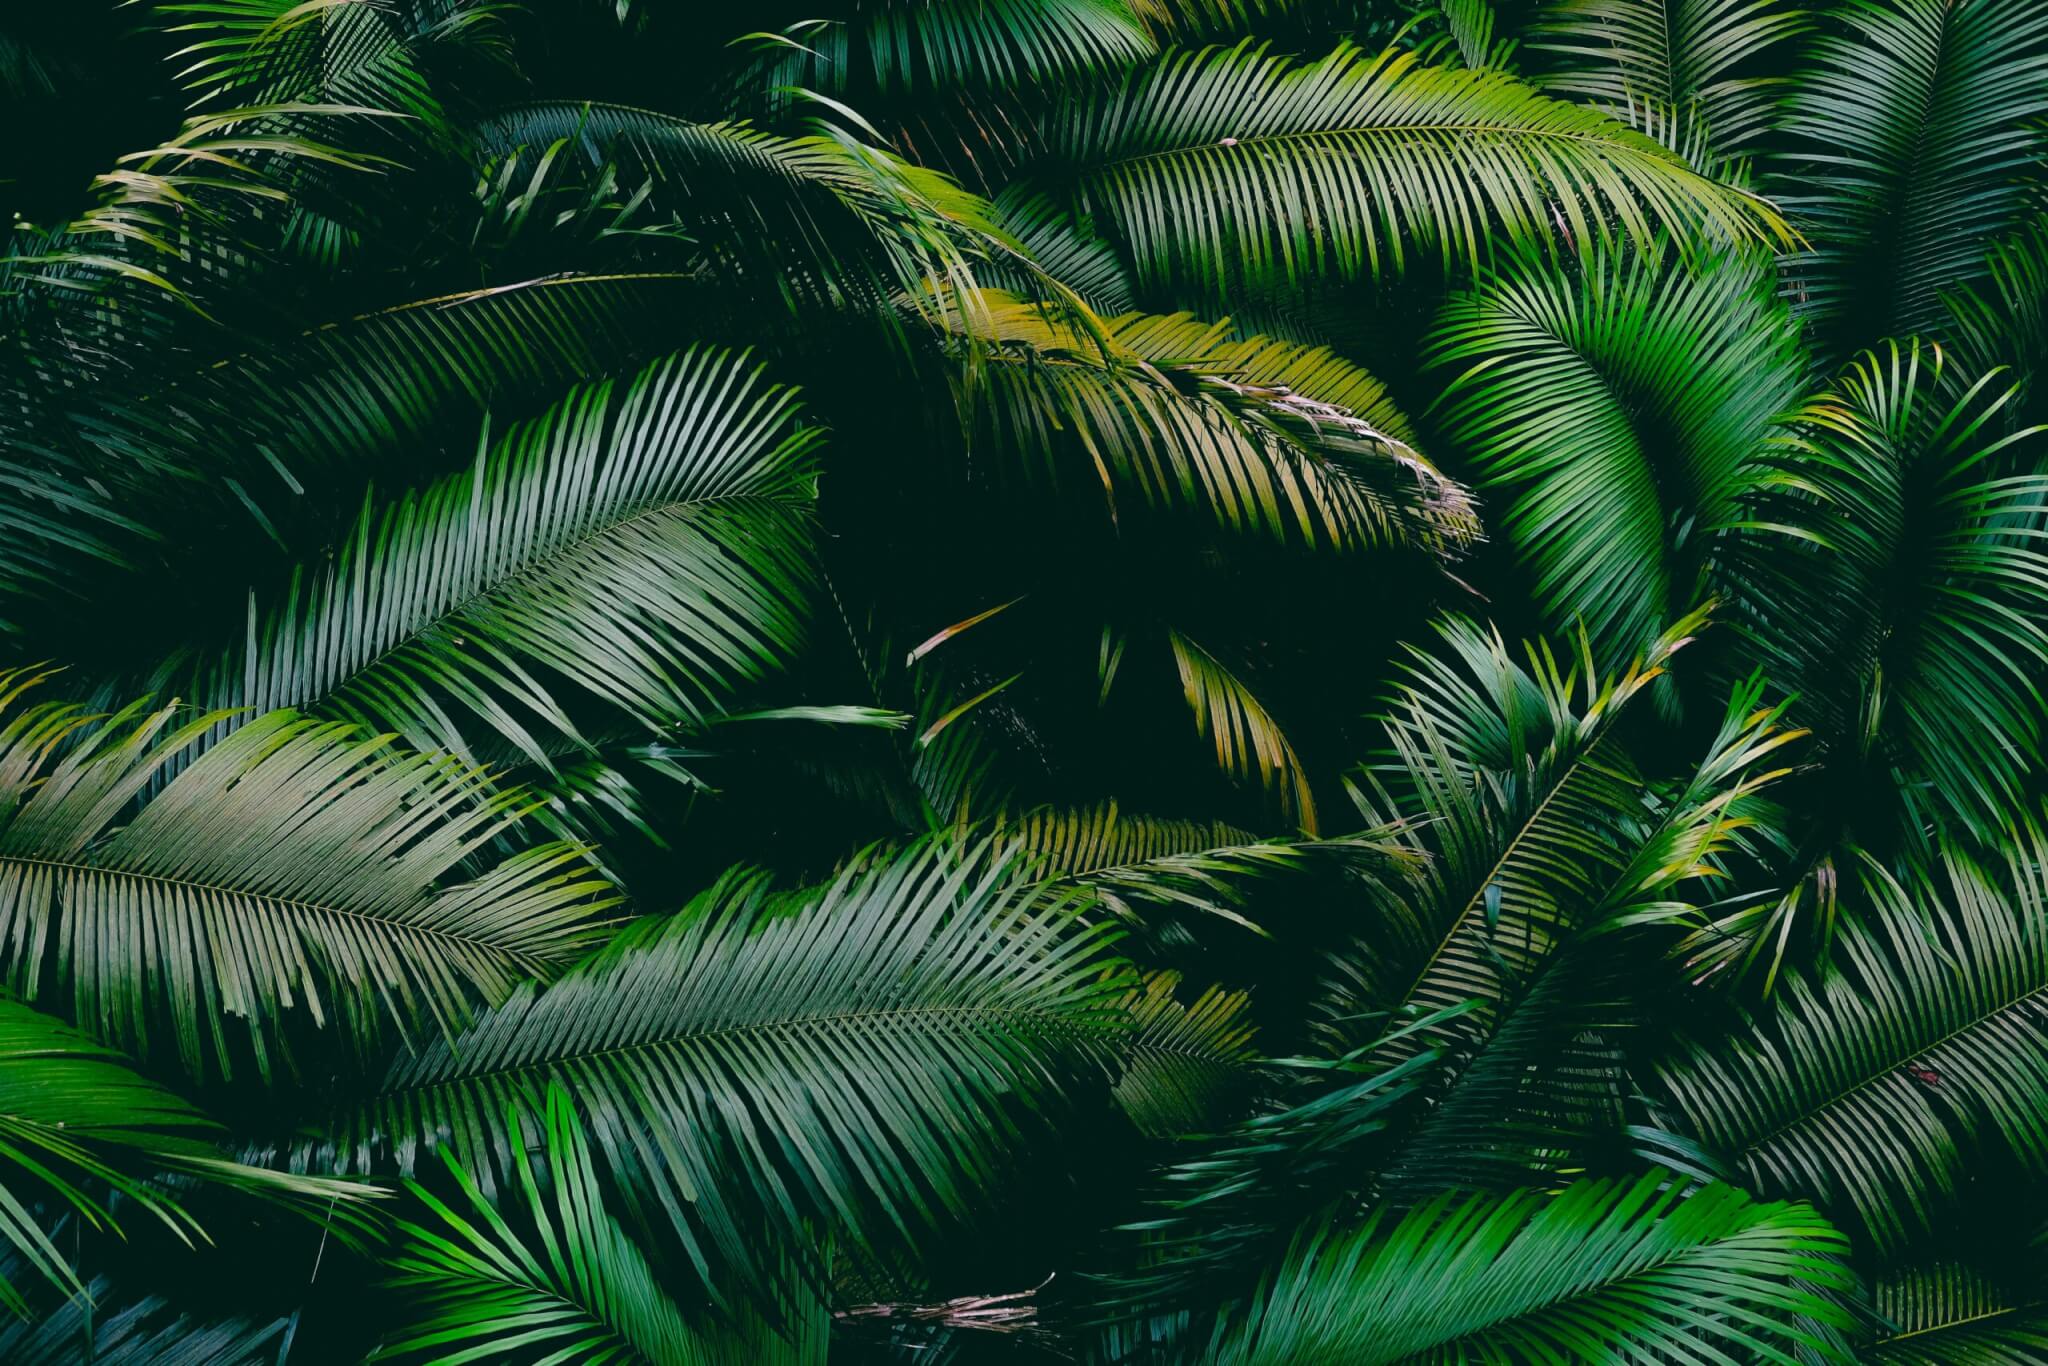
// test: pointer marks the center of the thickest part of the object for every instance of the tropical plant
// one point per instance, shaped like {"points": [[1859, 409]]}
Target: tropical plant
{"points": [[1119, 681]]}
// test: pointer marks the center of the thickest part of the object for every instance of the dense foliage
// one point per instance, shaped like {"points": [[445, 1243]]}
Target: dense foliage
{"points": [[1116, 681]]}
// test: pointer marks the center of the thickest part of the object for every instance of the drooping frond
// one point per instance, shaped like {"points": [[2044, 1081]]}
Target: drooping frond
{"points": [[865, 1058], [1221, 168], [1890, 571], [1249, 742], [1873, 1085], [1168, 417], [1914, 123], [1632, 1272], [1693, 59], [295, 877], [548, 1267], [642, 543], [1616, 411]]}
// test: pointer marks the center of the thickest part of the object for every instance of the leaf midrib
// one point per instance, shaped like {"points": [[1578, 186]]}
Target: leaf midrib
{"points": [[799, 1023], [523, 960], [1386, 131]]}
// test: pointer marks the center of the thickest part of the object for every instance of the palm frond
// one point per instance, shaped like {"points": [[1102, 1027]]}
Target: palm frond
{"points": [[108, 1327], [296, 876], [1188, 1063], [1616, 410], [81, 1128], [642, 542], [1914, 124], [1952, 1314], [550, 1269], [1226, 168], [1695, 58], [1249, 742], [1889, 569], [902, 47], [1874, 1084], [1167, 416], [1531, 817], [866, 1058], [1619, 1271]]}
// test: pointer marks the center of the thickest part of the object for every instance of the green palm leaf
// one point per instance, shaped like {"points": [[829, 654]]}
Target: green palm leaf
{"points": [[79, 1126], [1164, 414], [1873, 1085], [894, 47], [1890, 569], [1613, 1271], [551, 1271], [1189, 1062], [1226, 167], [1617, 409], [643, 543], [866, 1057], [1951, 1314], [1915, 126], [295, 876], [1693, 58]]}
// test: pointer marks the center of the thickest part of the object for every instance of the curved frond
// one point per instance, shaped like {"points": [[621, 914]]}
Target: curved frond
{"points": [[1226, 168], [865, 1058], [643, 543], [1891, 570], [1617, 410], [549, 1268], [1695, 58], [79, 1125], [295, 876], [1249, 743], [1615, 1271], [1916, 122], [1875, 1084]]}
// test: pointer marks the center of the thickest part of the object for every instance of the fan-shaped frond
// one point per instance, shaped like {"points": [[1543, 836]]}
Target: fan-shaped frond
{"points": [[866, 1057], [1915, 123], [643, 542], [1615, 1271], [1617, 408], [294, 872], [1232, 167], [548, 1268], [1873, 1085]]}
